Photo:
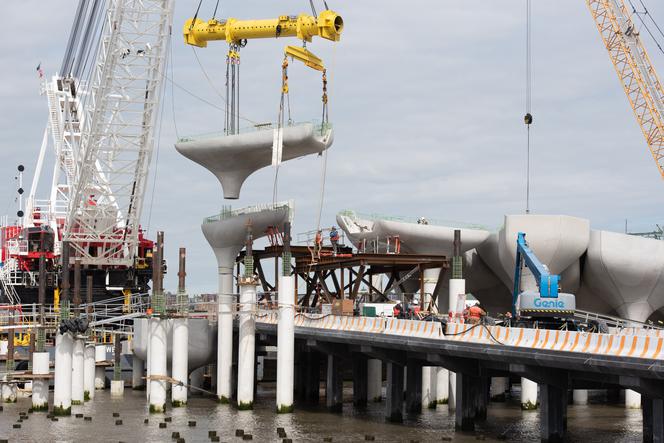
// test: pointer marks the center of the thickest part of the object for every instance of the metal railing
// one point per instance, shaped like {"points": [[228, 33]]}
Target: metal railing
{"points": [[613, 322], [354, 215], [269, 126], [227, 212]]}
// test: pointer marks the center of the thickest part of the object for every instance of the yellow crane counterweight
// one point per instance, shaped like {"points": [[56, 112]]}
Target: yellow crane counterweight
{"points": [[327, 25]]}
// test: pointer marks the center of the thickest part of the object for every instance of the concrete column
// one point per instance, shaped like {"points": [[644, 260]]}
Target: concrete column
{"points": [[8, 391], [89, 372], [196, 379], [40, 385], [226, 300], [457, 286], [442, 386], [452, 394], [375, 380], [100, 371], [180, 361], [553, 413], [528, 394], [137, 373], [148, 364], [482, 397], [429, 389], [360, 380], [653, 419], [212, 369], [285, 344], [312, 378], [300, 376], [334, 385], [158, 364], [468, 388], [632, 399], [414, 387], [580, 396], [498, 388], [394, 393], [78, 372], [247, 346], [64, 347]]}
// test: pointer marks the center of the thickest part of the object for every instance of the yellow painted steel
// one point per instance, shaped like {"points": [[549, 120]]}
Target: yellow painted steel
{"points": [[640, 82], [327, 25], [56, 299], [127, 300], [305, 56]]}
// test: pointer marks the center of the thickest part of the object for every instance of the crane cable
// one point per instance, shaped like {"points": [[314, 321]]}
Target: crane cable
{"points": [[645, 12], [324, 125], [285, 99], [528, 118], [196, 15]]}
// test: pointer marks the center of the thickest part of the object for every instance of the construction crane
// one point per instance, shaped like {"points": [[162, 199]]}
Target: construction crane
{"points": [[635, 71], [327, 25], [103, 107], [102, 224]]}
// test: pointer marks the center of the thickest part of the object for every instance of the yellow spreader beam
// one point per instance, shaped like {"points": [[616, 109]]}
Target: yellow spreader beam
{"points": [[327, 25]]}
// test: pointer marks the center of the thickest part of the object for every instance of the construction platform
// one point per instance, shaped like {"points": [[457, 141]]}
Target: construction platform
{"points": [[328, 276]]}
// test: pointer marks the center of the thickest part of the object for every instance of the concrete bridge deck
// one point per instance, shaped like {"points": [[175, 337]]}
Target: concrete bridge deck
{"points": [[596, 363]]}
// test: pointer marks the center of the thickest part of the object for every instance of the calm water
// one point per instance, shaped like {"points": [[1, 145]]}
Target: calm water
{"points": [[593, 423]]}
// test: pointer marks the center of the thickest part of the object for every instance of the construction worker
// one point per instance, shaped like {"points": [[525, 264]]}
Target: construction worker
{"points": [[475, 314], [397, 311], [415, 308], [318, 243], [334, 239]]}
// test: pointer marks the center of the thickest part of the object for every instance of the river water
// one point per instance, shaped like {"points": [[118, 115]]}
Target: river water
{"points": [[597, 422]]}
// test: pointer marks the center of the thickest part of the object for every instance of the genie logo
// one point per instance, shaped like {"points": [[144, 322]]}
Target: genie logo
{"points": [[549, 304]]}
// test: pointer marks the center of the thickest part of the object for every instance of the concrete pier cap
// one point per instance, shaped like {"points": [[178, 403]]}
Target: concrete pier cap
{"points": [[423, 237], [356, 228], [226, 232], [626, 272], [233, 158], [557, 240]]}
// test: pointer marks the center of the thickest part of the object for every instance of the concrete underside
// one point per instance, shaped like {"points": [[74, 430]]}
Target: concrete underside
{"points": [[609, 272], [233, 158], [201, 343]]}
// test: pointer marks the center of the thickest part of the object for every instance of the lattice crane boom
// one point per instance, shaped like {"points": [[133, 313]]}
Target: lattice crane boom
{"points": [[635, 71], [117, 141]]}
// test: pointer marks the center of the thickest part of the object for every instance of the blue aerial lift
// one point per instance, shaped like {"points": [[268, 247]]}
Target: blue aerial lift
{"points": [[547, 306]]}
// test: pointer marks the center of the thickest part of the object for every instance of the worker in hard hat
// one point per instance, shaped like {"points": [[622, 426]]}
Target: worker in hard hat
{"points": [[334, 239], [415, 308]]}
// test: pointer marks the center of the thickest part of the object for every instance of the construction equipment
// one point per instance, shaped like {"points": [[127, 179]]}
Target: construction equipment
{"points": [[545, 307], [103, 114], [327, 25], [635, 71]]}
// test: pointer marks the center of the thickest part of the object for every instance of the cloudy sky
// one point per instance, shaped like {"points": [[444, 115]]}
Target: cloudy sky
{"points": [[427, 99]]}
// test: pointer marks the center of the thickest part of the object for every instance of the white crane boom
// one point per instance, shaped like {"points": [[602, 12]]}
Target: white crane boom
{"points": [[117, 139]]}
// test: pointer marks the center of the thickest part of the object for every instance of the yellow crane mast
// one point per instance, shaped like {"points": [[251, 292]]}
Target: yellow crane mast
{"points": [[635, 71]]}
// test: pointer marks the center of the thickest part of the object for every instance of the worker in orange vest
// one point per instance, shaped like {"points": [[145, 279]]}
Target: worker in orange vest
{"points": [[318, 243], [475, 314]]}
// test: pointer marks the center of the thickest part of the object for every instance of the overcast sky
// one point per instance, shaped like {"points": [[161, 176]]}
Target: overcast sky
{"points": [[427, 99]]}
